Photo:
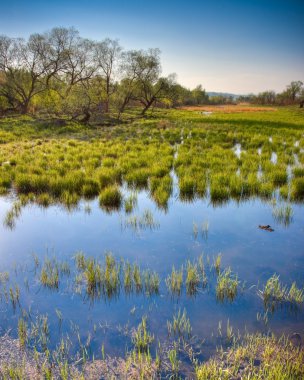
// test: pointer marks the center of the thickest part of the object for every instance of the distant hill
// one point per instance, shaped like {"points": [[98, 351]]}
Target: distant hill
{"points": [[212, 93]]}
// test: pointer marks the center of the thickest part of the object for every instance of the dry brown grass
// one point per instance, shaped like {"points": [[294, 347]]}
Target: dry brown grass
{"points": [[229, 108]]}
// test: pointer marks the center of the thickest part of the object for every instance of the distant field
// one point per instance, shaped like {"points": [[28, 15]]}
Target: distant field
{"points": [[239, 108]]}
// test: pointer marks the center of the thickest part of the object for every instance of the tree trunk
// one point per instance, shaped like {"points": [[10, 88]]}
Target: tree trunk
{"points": [[147, 106], [25, 107], [107, 95], [86, 117]]}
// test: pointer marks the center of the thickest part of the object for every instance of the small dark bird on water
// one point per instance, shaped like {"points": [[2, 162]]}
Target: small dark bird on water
{"points": [[266, 228]]}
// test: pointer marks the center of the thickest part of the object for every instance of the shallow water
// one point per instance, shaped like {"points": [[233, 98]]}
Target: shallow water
{"points": [[253, 254]]}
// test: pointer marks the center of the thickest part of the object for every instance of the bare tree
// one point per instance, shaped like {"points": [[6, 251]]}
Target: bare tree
{"points": [[23, 70], [107, 57], [29, 66]]}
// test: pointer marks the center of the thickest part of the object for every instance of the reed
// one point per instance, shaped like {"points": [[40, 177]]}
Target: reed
{"points": [[192, 278], [22, 332], [275, 294], [217, 263], [227, 286], [283, 214], [49, 276], [110, 198], [151, 282], [174, 281], [141, 338], [180, 326]]}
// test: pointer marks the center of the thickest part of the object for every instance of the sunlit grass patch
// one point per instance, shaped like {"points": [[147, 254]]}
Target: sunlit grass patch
{"points": [[297, 189], [186, 188], [110, 198]]}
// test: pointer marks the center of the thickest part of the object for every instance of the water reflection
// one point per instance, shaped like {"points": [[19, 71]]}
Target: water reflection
{"points": [[157, 270]]}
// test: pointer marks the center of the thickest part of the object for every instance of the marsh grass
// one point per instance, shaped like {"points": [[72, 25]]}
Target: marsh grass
{"points": [[187, 189], [275, 294], [217, 263], [88, 162], [180, 325], [14, 295], [283, 214], [151, 282], [297, 189], [108, 278], [137, 278], [202, 270], [110, 198], [44, 200], [142, 339], [22, 332], [174, 281], [49, 276], [128, 281], [80, 260], [255, 357], [12, 215], [93, 276], [192, 278], [174, 363], [227, 286], [161, 190], [111, 276], [130, 203]]}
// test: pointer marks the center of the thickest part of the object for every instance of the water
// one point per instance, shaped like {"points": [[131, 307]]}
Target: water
{"points": [[253, 254], [274, 158], [237, 150]]}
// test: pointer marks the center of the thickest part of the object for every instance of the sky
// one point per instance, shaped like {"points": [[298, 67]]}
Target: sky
{"points": [[236, 46]]}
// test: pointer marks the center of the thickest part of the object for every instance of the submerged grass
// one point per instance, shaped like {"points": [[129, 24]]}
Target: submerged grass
{"points": [[142, 222], [283, 214]]}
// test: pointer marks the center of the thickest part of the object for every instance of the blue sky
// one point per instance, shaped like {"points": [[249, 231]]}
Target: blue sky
{"points": [[225, 45]]}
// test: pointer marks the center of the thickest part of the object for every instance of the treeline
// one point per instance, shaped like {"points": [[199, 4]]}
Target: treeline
{"points": [[61, 73], [293, 94]]}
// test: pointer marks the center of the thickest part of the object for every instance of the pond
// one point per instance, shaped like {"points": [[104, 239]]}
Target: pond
{"points": [[156, 240]]}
